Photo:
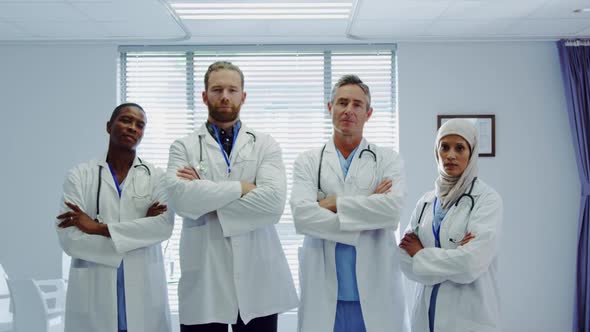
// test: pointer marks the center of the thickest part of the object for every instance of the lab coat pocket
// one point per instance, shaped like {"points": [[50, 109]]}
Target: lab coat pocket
{"points": [[310, 257], [157, 279], [78, 295], [141, 184], [364, 180], [244, 168], [454, 238], [192, 244], [142, 204], [457, 227]]}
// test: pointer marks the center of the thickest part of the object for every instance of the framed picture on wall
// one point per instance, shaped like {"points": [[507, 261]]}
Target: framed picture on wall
{"points": [[486, 126]]}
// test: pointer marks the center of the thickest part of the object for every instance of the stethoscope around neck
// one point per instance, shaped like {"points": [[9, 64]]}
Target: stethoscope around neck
{"points": [[467, 194], [141, 164], [367, 150], [201, 166]]}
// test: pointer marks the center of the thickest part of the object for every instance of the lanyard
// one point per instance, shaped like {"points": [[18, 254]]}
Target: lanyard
{"points": [[225, 156], [435, 230], [119, 190]]}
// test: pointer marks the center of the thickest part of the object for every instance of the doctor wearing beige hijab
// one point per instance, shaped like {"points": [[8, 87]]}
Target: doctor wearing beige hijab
{"points": [[450, 248]]}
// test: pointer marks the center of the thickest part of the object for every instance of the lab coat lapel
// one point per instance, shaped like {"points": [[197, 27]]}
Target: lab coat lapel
{"points": [[106, 175], [208, 141], [331, 160], [212, 155], [356, 162], [242, 147]]}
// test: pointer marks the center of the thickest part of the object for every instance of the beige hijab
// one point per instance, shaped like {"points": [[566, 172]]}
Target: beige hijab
{"points": [[449, 188]]}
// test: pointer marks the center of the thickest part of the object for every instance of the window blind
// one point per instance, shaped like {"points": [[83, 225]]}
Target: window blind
{"points": [[287, 91]]}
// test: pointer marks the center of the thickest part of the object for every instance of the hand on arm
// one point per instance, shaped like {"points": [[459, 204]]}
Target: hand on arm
{"points": [[329, 203], [384, 187], [476, 251], [156, 209], [247, 187], [411, 244], [466, 239], [83, 222], [190, 194], [78, 218], [188, 173], [309, 216], [380, 208], [261, 195]]}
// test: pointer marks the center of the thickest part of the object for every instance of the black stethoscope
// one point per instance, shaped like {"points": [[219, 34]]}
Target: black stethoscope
{"points": [[202, 166], [141, 164], [320, 192], [467, 194]]}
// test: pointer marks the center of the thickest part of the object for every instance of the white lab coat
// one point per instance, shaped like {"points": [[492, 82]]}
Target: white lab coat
{"points": [[364, 220], [468, 295], [230, 254], [91, 302]]}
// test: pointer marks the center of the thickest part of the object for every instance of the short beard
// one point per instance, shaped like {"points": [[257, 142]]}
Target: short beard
{"points": [[224, 117]]}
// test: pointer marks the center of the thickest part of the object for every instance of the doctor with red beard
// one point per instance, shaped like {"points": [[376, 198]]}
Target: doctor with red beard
{"points": [[228, 183]]}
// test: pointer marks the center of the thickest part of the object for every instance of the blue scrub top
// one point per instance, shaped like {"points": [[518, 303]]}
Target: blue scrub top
{"points": [[438, 216], [345, 254], [121, 312]]}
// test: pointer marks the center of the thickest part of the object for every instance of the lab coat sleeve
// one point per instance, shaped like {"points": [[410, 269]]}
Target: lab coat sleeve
{"points": [[309, 218], [77, 244], [406, 263], [146, 231], [468, 262], [264, 205], [376, 211], [192, 199]]}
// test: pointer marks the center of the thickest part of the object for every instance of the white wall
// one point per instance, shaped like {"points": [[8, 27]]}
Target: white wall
{"points": [[534, 169], [55, 100]]}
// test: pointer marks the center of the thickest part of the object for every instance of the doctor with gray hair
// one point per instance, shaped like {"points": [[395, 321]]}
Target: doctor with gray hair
{"points": [[347, 198]]}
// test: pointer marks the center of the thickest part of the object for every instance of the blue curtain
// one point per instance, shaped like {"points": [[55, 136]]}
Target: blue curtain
{"points": [[575, 66]]}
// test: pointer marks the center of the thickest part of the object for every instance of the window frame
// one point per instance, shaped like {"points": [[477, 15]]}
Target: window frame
{"points": [[194, 103]]}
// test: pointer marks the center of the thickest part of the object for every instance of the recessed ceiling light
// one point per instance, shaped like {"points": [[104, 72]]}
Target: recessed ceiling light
{"points": [[264, 11]]}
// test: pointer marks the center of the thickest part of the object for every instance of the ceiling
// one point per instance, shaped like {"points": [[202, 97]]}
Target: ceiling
{"points": [[155, 22]]}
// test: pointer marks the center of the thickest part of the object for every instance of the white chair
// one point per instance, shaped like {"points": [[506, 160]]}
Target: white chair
{"points": [[38, 305], [5, 309]]}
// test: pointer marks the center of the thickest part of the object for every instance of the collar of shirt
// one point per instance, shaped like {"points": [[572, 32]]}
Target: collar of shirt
{"points": [[226, 136], [345, 163]]}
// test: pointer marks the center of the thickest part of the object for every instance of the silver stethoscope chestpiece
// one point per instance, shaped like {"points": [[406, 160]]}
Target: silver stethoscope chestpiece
{"points": [[201, 167]]}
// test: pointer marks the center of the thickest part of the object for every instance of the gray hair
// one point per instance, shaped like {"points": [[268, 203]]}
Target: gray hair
{"points": [[348, 80], [221, 65]]}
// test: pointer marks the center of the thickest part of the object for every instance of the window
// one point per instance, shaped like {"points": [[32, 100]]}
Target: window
{"points": [[287, 88]]}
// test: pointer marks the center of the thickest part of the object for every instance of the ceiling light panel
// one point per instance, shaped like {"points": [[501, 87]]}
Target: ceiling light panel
{"points": [[561, 9], [262, 11], [491, 9]]}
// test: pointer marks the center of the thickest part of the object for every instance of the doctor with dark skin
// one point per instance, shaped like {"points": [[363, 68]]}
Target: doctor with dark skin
{"points": [[126, 132], [113, 232]]}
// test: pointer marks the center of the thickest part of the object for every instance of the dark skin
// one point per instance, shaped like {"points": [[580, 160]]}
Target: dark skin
{"points": [[453, 155], [411, 243], [125, 132]]}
